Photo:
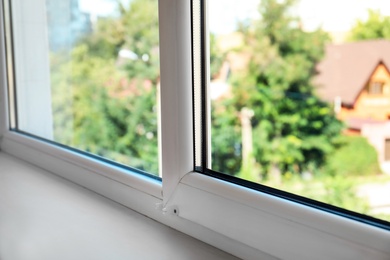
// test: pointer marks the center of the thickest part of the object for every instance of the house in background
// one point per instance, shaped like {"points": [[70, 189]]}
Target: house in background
{"points": [[355, 77]]}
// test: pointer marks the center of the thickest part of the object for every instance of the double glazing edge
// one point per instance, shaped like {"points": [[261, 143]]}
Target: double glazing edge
{"points": [[9, 56]]}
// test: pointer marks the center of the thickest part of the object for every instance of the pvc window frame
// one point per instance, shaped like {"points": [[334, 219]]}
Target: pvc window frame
{"points": [[241, 221]]}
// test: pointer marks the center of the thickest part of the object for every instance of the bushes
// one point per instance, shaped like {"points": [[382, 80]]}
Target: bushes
{"points": [[356, 157], [337, 183]]}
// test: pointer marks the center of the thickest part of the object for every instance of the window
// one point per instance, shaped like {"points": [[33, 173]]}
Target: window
{"points": [[242, 221], [387, 149], [375, 88], [87, 77], [270, 127]]}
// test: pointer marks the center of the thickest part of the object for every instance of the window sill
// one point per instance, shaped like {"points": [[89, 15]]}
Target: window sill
{"points": [[134, 191], [240, 221], [269, 224]]}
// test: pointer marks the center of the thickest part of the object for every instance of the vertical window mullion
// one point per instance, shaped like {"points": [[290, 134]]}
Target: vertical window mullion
{"points": [[176, 93]]}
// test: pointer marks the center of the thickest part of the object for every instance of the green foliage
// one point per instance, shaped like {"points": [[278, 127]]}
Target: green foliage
{"points": [[226, 138], [216, 57], [293, 130], [341, 192], [335, 190], [141, 36], [106, 105], [136, 30], [356, 157], [376, 26]]}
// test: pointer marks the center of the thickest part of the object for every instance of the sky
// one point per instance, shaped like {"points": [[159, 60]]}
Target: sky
{"points": [[338, 15], [99, 7], [331, 15]]}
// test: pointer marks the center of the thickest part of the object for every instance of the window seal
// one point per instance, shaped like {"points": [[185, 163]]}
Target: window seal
{"points": [[46, 155], [90, 155], [299, 199]]}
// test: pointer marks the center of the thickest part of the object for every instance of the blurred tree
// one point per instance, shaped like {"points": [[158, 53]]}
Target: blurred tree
{"points": [[226, 137], [217, 57], [131, 38], [104, 99], [293, 130], [376, 26]]}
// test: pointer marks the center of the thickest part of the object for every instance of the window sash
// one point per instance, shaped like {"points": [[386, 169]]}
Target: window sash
{"points": [[203, 148]]}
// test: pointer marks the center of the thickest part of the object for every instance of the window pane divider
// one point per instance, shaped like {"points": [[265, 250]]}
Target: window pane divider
{"points": [[176, 93]]}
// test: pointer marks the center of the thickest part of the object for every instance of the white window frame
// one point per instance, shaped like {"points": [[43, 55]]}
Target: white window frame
{"points": [[241, 221]]}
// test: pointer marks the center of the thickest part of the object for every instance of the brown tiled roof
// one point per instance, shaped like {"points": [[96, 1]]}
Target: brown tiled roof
{"points": [[346, 68]]}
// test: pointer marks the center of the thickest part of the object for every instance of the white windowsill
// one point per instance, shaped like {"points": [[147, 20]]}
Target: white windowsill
{"points": [[46, 217], [131, 190], [240, 221]]}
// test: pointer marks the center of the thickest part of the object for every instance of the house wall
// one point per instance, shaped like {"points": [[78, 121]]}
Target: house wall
{"points": [[370, 106], [377, 134]]}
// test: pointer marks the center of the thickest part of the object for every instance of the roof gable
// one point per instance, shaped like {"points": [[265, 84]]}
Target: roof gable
{"points": [[346, 68]]}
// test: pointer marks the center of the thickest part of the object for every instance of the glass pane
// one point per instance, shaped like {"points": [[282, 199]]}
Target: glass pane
{"points": [[300, 98], [87, 76]]}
